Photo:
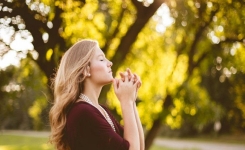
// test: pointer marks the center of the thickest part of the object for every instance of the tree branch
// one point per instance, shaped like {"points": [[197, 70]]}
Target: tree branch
{"points": [[143, 16], [113, 35], [197, 38]]}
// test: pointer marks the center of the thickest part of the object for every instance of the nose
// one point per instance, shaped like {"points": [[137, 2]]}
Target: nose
{"points": [[110, 63]]}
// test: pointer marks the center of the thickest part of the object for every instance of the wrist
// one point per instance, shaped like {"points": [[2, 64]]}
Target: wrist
{"points": [[127, 103]]}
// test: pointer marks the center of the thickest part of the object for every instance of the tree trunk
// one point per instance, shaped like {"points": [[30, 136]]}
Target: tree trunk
{"points": [[143, 16], [152, 133]]}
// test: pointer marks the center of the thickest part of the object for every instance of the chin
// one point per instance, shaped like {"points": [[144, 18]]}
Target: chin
{"points": [[109, 81]]}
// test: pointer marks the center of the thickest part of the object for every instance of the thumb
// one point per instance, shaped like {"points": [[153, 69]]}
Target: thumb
{"points": [[115, 84]]}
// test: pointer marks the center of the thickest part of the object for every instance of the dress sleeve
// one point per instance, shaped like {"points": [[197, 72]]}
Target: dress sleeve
{"points": [[118, 126], [94, 126]]}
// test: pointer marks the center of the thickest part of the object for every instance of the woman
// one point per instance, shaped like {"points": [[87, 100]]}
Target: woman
{"points": [[78, 121]]}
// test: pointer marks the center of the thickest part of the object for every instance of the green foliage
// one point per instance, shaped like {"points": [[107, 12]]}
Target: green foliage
{"points": [[209, 41], [177, 61], [228, 92], [198, 61], [26, 97], [155, 68], [6, 105], [198, 105], [97, 20]]}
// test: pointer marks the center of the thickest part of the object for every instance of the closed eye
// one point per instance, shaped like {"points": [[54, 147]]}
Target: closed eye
{"points": [[102, 57]]}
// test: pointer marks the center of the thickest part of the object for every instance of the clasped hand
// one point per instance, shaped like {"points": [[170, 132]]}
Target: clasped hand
{"points": [[127, 86]]}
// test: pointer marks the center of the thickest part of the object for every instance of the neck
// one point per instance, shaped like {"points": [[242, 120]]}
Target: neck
{"points": [[92, 93]]}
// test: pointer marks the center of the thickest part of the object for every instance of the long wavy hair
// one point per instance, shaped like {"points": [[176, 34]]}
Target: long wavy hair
{"points": [[67, 85]]}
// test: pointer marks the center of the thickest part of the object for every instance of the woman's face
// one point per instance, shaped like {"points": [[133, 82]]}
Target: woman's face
{"points": [[100, 68]]}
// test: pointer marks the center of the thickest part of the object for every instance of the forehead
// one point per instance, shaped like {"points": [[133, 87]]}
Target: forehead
{"points": [[98, 52]]}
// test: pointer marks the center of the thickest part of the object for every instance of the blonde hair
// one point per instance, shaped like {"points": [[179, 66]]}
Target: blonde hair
{"points": [[67, 85]]}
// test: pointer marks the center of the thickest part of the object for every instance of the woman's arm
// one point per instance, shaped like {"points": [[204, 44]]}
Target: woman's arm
{"points": [[139, 125], [140, 128], [125, 91], [130, 126]]}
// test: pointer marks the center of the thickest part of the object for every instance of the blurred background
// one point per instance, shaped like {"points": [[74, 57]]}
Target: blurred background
{"points": [[190, 55]]}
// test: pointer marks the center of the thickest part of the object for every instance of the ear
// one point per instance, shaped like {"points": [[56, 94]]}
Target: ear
{"points": [[87, 71]]}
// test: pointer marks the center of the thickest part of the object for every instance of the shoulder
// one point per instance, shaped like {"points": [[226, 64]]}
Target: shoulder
{"points": [[82, 109], [84, 105]]}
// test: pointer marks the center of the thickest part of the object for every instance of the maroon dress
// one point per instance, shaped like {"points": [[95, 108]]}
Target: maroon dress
{"points": [[87, 129]]}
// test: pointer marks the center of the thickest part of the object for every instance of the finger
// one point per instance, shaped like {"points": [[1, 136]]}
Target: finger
{"points": [[126, 76], [130, 74], [122, 76], [115, 84], [118, 83], [138, 81], [138, 84], [135, 78]]}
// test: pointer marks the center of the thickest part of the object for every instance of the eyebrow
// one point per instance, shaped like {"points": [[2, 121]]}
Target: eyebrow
{"points": [[101, 55]]}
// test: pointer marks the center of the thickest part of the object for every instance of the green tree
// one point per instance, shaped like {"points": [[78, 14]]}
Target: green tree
{"points": [[174, 65], [5, 108], [202, 33], [25, 97], [55, 25], [184, 80], [58, 20]]}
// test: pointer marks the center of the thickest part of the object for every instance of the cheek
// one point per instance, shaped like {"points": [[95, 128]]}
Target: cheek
{"points": [[97, 69]]}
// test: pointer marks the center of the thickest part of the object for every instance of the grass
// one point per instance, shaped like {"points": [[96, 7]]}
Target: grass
{"points": [[16, 142], [155, 147], [27, 142]]}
